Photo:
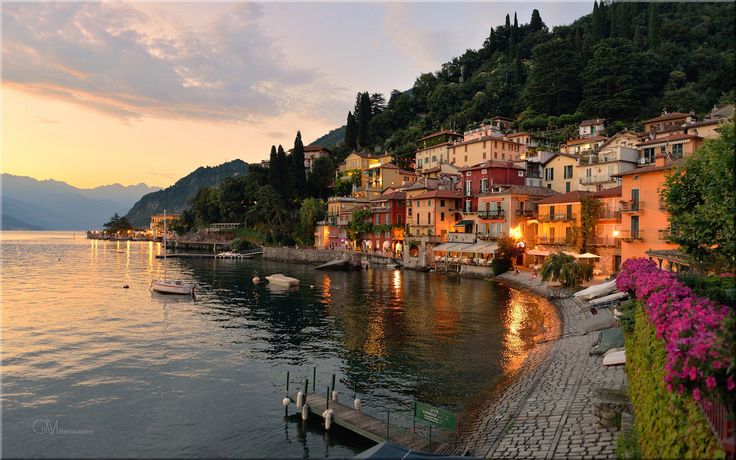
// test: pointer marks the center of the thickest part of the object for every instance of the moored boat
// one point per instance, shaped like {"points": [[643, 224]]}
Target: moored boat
{"points": [[172, 287], [282, 280]]}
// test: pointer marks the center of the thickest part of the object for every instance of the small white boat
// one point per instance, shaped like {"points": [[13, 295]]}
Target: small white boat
{"points": [[172, 287], [283, 280], [614, 356], [167, 286]]}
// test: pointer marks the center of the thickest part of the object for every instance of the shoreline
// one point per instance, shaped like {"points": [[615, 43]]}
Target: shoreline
{"points": [[545, 409]]}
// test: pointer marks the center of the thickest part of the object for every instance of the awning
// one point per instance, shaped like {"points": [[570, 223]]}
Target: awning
{"points": [[588, 255], [538, 252], [489, 248], [463, 223], [448, 247], [473, 248], [570, 253]]}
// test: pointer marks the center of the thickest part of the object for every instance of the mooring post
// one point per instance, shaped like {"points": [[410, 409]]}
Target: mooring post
{"points": [[287, 384], [327, 399], [430, 437], [388, 422], [314, 377], [333, 382], [355, 390], [306, 387], [414, 418]]}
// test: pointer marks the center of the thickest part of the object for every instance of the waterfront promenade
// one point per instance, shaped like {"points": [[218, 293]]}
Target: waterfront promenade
{"points": [[546, 412]]}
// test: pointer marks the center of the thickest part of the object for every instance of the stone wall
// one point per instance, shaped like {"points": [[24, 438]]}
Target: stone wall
{"points": [[320, 256]]}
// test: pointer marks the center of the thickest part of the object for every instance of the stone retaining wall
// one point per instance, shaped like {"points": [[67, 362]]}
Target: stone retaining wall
{"points": [[320, 256]]}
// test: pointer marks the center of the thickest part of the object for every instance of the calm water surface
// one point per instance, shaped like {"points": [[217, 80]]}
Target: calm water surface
{"points": [[92, 369]]}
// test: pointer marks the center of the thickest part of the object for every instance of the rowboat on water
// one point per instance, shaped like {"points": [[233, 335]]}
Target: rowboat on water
{"points": [[282, 280]]}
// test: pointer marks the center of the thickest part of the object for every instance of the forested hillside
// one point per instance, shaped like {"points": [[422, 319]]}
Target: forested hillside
{"points": [[625, 62]]}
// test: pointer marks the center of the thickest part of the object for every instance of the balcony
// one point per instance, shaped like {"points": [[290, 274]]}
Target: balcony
{"points": [[555, 241], [530, 213], [605, 241], [631, 235], [664, 235], [596, 180], [492, 214], [557, 217], [631, 206], [379, 208], [483, 237], [609, 214]]}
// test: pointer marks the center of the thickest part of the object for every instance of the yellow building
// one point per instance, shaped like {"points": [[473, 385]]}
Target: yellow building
{"points": [[582, 145], [434, 213], [362, 161], [157, 222], [434, 150], [558, 216], [561, 173], [378, 177]]}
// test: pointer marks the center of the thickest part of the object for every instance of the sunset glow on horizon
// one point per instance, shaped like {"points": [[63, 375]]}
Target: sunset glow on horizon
{"points": [[102, 93]]}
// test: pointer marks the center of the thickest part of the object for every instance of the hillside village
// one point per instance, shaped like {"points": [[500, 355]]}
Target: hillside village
{"points": [[467, 190]]}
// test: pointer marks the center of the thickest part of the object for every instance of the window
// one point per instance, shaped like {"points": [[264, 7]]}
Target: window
{"points": [[388, 219], [676, 151], [442, 203], [467, 187], [589, 172], [485, 171], [520, 173], [429, 218], [567, 186], [569, 211], [649, 155], [549, 173], [429, 203], [483, 185], [419, 219], [442, 216], [567, 172], [434, 158], [468, 205]]}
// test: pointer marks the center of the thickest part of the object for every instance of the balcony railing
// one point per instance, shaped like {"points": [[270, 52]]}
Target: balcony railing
{"points": [[631, 206], [556, 217], [631, 235], [492, 214], [596, 180], [381, 208], [484, 237], [609, 214], [531, 213], [605, 241], [664, 234], [558, 240]]}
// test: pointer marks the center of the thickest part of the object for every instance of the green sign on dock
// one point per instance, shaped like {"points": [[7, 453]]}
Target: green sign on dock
{"points": [[435, 416]]}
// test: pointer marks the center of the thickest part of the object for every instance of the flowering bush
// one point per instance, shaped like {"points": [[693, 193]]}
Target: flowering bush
{"points": [[697, 332]]}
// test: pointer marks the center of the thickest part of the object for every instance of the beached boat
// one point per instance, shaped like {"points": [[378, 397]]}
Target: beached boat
{"points": [[614, 356], [167, 286], [282, 280]]}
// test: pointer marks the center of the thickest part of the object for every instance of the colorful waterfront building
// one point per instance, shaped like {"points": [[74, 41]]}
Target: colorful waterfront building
{"points": [[644, 221], [381, 176], [433, 213], [618, 154], [561, 173], [482, 177], [477, 149], [389, 212], [332, 232], [592, 127], [361, 161], [668, 121], [312, 153], [157, 222], [434, 150], [582, 145]]}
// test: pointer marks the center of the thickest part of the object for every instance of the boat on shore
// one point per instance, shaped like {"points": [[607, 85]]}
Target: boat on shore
{"points": [[282, 280]]}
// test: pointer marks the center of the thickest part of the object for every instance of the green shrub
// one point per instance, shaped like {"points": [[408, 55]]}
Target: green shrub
{"points": [[627, 446], [241, 244], [667, 425], [628, 315], [500, 266], [721, 289]]}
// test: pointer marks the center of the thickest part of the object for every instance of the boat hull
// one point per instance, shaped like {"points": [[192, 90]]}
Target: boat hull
{"points": [[282, 280], [172, 287]]}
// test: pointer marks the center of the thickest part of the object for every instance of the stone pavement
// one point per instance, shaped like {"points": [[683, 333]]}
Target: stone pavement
{"points": [[545, 412]]}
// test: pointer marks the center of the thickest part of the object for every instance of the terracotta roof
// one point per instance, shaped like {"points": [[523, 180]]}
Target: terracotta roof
{"points": [[670, 138], [518, 134], [431, 170], [562, 154], [667, 116], [569, 197], [486, 138], [391, 196], [499, 117], [609, 192], [491, 164], [593, 122], [585, 140], [369, 155], [439, 194], [315, 148], [648, 169], [439, 133], [448, 143], [529, 190]]}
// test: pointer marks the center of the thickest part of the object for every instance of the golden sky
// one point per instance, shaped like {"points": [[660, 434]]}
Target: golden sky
{"points": [[113, 92]]}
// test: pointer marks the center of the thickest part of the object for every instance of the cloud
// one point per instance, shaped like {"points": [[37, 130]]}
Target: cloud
{"points": [[119, 60]]}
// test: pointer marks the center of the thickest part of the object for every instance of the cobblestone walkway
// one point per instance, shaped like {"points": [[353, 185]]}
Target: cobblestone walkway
{"points": [[546, 411]]}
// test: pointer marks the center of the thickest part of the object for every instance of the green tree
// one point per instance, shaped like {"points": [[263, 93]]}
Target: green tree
{"points": [[613, 80], [270, 214], [363, 118], [360, 224], [700, 199], [565, 270], [206, 206], [553, 86], [536, 23], [233, 198], [118, 224], [351, 132], [653, 26], [590, 209], [298, 174], [322, 176], [311, 211]]}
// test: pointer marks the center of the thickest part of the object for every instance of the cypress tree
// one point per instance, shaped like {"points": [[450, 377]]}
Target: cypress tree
{"points": [[281, 172], [351, 131], [298, 175], [597, 22], [536, 23], [514, 38], [364, 116], [273, 165], [653, 27], [518, 77]]}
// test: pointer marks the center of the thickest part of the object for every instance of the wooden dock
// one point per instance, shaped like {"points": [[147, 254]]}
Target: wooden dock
{"points": [[365, 425]]}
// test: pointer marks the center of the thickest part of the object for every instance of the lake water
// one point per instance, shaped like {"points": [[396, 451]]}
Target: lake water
{"points": [[93, 369]]}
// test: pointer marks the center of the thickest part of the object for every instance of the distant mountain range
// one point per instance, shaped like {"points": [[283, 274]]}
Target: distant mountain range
{"points": [[31, 204], [176, 198]]}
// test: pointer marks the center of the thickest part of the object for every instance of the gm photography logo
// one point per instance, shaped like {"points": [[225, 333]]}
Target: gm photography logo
{"points": [[47, 427]]}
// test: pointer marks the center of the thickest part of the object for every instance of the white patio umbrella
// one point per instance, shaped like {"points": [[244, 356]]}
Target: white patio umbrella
{"points": [[588, 255]]}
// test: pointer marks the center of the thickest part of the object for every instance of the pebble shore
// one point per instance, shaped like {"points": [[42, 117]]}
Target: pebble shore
{"points": [[545, 412]]}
